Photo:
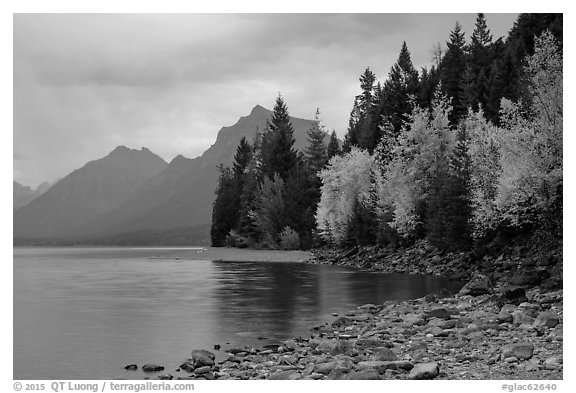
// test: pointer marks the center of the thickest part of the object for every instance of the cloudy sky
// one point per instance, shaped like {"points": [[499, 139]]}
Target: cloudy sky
{"points": [[86, 83]]}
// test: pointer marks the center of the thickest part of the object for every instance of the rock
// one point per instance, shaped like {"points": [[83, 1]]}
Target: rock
{"points": [[440, 313], [518, 350], [290, 345], [479, 285], [412, 319], [328, 367], [282, 375], [203, 370], [271, 347], [150, 368], [519, 317], [334, 347], [424, 371], [513, 295], [557, 332], [200, 358], [380, 366], [217, 347], [316, 376], [203, 352], [511, 359], [131, 367], [384, 354], [336, 374], [369, 374], [165, 377], [546, 319], [506, 312]]}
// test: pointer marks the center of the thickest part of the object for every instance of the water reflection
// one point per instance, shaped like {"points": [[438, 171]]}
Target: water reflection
{"points": [[84, 314], [283, 300]]}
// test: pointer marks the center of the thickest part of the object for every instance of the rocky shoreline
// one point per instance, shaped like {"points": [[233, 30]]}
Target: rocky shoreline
{"points": [[503, 325]]}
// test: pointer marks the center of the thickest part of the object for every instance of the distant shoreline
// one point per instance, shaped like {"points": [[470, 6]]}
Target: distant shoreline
{"points": [[218, 254]]}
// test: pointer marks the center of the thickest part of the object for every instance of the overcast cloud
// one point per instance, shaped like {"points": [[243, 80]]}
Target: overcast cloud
{"points": [[84, 84]]}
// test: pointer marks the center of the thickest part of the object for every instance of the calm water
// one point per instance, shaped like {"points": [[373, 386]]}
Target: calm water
{"points": [[86, 313]]}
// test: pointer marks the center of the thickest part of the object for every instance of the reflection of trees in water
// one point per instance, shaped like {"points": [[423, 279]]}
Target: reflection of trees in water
{"points": [[263, 298], [281, 300]]}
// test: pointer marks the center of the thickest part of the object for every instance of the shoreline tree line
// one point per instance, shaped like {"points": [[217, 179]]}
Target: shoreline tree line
{"points": [[453, 154]]}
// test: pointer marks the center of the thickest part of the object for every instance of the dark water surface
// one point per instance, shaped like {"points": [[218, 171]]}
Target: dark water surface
{"points": [[86, 313]]}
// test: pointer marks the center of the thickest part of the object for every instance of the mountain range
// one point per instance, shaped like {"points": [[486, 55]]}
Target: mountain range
{"points": [[134, 197], [23, 195]]}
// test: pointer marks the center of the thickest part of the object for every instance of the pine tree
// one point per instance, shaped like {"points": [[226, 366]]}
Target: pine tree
{"points": [[452, 70], [478, 62], [241, 158], [367, 127], [333, 146], [399, 88], [316, 155], [225, 209], [278, 153], [351, 137]]}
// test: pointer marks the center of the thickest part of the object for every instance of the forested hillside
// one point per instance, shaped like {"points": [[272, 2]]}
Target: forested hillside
{"points": [[453, 153]]}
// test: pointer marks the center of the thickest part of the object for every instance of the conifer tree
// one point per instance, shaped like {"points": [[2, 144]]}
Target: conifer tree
{"points": [[399, 88], [367, 132], [278, 153], [316, 155], [333, 146], [225, 209], [352, 134], [452, 69], [478, 61]]}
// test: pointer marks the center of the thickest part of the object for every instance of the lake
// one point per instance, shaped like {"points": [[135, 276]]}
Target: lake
{"points": [[85, 313]]}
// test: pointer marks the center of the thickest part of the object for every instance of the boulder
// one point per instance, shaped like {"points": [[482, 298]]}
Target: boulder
{"points": [[131, 367], [479, 285], [334, 347], [384, 354], [519, 317], [513, 295], [506, 312], [518, 350], [201, 358], [424, 371], [150, 368], [546, 319], [439, 312]]}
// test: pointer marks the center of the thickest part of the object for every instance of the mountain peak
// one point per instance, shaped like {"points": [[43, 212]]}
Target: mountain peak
{"points": [[259, 109]]}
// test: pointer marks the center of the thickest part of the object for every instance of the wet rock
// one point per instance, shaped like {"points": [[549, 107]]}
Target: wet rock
{"points": [[290, 345], [131, 367], [518, 350], [149, 368], [271, 347], [546, 319], [424, 371], [479, 285], [203, 370]]}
